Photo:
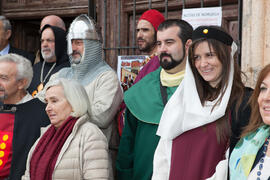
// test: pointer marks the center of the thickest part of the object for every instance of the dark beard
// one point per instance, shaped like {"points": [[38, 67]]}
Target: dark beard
{"points": [[166, 64], [148, 48]]}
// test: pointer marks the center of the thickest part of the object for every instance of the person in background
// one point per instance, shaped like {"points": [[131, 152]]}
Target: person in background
{"points": [[71, 147], [210, 98], [52, 20], [5, 47], [146, 40], [250, 159], [146, 99], [54, 57], [21, 116]]}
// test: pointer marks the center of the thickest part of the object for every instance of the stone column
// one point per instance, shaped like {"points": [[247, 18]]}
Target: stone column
{"points": [[255, 38]]}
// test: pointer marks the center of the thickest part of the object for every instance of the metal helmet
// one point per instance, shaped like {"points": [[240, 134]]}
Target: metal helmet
{"points": [[82, 27]]}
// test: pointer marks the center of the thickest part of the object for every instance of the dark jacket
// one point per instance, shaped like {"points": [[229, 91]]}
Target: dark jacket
{"points": [[29, 117], [23, 53], [62, 59]]}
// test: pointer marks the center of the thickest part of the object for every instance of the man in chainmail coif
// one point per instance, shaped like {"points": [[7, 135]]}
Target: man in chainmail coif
{"points": [[88, 68]]}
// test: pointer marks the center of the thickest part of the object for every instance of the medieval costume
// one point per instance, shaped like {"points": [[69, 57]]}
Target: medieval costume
{"points": [[19, 129], [43, 70], [189, 147], [98, 78], [145, 102], [149, 64]]}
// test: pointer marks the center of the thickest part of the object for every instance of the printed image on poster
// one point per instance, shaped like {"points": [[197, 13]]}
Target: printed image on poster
{"points": [[128, 68]]}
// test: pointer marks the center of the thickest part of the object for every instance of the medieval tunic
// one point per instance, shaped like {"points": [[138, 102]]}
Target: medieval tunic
{"points": [[28, 118], [139, 139]]}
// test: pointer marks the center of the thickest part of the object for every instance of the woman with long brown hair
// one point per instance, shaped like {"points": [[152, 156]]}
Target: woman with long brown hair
{"points": [[204, 112], [250, 159]]}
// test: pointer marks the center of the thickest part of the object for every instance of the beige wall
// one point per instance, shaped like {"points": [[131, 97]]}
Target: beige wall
{"points": [[255, 38]]}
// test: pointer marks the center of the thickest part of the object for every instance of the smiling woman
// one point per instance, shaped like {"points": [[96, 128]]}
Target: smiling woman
{"points": [[250, 158], [208, 64], [71, 147], [211, 107]]}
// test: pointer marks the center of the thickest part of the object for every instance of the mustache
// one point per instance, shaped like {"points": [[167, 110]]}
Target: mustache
{"points": [[140, 39], [162, 55], [45, 49], [76, 52]]}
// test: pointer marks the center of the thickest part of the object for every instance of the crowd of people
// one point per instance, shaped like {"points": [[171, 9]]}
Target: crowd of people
{"points": [[188, 115]]}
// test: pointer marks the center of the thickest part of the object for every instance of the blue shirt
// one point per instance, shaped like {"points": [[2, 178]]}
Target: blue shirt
{"points": [[5, 50]]}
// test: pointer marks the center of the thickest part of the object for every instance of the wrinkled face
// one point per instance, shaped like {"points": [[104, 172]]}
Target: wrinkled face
{"points": [[207, 63], [4, 36], [170, 48], [9, 85], [264, 100], [58, 108], [145, 36], [48, 45], [77, 50]]}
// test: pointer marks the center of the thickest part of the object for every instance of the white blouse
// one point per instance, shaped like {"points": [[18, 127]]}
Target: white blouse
{"points": [[265, 170]]}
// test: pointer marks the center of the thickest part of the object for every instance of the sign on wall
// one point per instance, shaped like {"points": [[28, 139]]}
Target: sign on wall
{"points": [[203, 16]]}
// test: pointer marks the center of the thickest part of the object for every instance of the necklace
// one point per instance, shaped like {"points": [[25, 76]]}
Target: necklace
{"points": [[41, 85], [262, 159]]}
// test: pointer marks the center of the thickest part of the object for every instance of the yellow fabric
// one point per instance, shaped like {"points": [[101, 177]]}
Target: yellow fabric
{"points": [[171, 80]]}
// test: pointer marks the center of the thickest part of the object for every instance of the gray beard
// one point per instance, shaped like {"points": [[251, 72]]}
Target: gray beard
{"points": [[76, 61]]}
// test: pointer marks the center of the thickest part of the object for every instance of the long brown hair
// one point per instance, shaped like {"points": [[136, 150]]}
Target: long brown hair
{"points": [[256, 119], [207, 92]]}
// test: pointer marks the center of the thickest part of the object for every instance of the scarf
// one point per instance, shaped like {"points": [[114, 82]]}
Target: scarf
{"points": [[47, 150], [171, 80], [190, 112], [245, 151]]}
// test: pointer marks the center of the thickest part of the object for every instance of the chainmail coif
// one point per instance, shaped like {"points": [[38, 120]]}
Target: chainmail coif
{"points": [[91, 64]]}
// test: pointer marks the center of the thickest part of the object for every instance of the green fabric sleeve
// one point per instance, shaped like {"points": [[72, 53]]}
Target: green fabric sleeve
{"points": [[125, 156]]}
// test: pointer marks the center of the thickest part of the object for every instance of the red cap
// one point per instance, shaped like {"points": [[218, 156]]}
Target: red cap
{"points": [[154, 17]]}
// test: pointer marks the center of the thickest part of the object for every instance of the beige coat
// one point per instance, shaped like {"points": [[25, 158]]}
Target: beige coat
{"points": [[105, 95], [83, 156]]}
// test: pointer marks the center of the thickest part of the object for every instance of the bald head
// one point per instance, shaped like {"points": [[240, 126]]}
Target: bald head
{"points": [[53, 20]]}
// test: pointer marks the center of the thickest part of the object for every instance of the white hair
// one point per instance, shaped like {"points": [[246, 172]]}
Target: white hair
{"points": [[75, 95], [24, 67]]}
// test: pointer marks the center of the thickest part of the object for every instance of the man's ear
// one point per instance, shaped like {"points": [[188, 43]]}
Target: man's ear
{"points": [[22, 83], [187, 45], [8, 34]]}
